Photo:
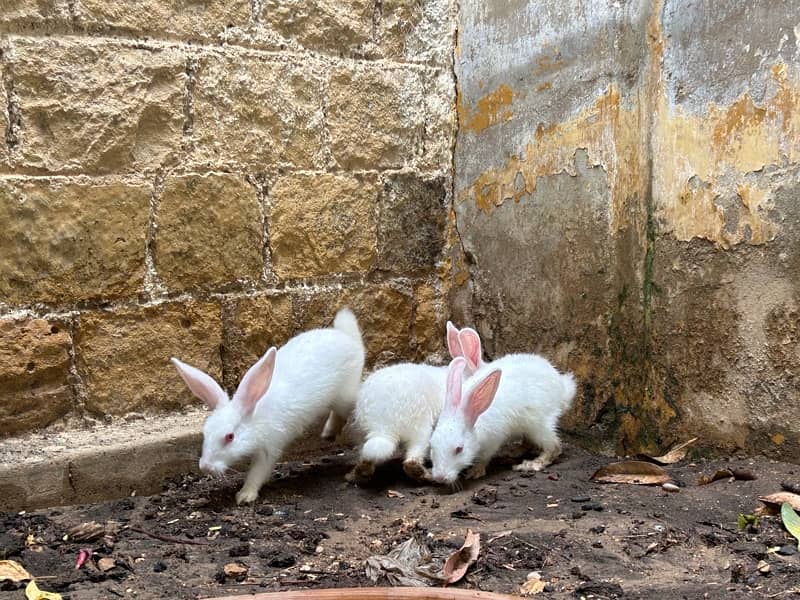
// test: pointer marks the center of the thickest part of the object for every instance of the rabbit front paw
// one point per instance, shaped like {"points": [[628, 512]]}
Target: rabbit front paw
{"points": [[247, 495], [530, 465], [361, 472], [475, 471], [416, 470]]}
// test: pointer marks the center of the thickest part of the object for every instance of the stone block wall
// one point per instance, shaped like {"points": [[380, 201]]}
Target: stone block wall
{"points": [[207, 179], [627, 190]]}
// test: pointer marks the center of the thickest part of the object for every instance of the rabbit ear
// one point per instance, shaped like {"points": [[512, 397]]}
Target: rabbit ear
{"points": [[453, 345], [255, 382], [455, 377], [470, 343], [481, 397], [201, 385]]}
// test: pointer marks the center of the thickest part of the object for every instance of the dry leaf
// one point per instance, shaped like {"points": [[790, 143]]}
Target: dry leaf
{"points": [[394, 494], [32, 592], [636, 472], [86, 532], [740, 474], [776, 500], [235, 571], [401, 566], [13, 571], [675, 453], [458, 562], [532, 587], [106, 564]]}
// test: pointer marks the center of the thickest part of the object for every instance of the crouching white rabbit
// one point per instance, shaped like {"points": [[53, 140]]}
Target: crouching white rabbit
{"points": [[519, 395], [315, 373], [399, 405]]}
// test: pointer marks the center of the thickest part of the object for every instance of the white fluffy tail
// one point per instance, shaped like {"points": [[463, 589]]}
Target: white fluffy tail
{"points": [[570, 387], [346, 322]]}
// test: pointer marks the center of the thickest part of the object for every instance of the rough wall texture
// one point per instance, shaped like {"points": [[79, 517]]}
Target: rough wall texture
{"points": [[627, 182], [206, 179]]}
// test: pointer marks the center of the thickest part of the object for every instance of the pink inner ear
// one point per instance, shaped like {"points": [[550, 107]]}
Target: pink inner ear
{"points": [[201, 385], [455, 377], [453, 345], [470, 343], [481, 397], [255, 382]]}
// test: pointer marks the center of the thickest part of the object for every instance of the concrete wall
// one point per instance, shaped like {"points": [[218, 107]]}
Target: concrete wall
{"points": [[627, 182], [204, 179]]}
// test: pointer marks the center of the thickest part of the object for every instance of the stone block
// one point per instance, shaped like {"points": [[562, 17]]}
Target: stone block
{"points": [[41, 14], [419, 31], [428, 329], [5, 134], [96, 108], [251, 112], [252, 325], [123, 356], [322, 224], [34, 374], [210, 232], [376, 117], [206, 20], [384, 315], [411, 223], [333, 26], [65, 242]]}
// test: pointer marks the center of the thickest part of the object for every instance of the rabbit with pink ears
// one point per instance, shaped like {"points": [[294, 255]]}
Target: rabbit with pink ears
{"points": [[314, 374], [399, 405], [519, 395]]}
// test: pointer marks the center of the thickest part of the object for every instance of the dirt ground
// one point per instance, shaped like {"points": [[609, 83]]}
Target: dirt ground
{"points": [[310, 529]]}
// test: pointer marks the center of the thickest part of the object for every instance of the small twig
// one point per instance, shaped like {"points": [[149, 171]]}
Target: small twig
{"points": [[167, 538], [794, 590], [528, 544]]}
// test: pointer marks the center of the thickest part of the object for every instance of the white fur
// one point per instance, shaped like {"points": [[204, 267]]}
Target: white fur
{"points": [[316, 373], [398, 405], [528, 402]]}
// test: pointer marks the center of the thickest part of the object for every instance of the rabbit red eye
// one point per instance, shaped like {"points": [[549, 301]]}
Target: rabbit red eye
{"points": [[458, 450], [228, 438]]}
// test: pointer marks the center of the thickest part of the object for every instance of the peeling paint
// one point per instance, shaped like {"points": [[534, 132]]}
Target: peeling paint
{"points": [[489, 110], [721, 149], [610, 134]]}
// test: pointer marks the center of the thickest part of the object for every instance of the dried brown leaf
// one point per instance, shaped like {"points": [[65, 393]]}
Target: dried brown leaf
{"points": [[532, 587], [13, 571], [106, 564], [86, 532], [779, 498], [235, 571], [675, 454], [636, 472], [394, 494], [740, 474], [458, 562]]}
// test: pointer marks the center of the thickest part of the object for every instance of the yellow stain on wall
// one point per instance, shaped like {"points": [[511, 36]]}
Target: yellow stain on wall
{"points": [[700, 158], [489, 110], [612, 136]]}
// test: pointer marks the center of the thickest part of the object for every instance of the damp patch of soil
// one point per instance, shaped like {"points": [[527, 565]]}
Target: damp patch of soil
{"points": [[310, 529]]}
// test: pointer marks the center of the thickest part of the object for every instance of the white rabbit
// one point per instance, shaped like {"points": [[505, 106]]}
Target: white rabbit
{"points": [[519, 395], [316, 373], [398, 405]]}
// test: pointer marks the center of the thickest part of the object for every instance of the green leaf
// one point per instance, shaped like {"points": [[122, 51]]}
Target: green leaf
{"points": [[791, 521], [744, 520]]}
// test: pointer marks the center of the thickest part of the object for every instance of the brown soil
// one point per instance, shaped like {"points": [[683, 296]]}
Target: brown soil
{"points": [[312, 530]]}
